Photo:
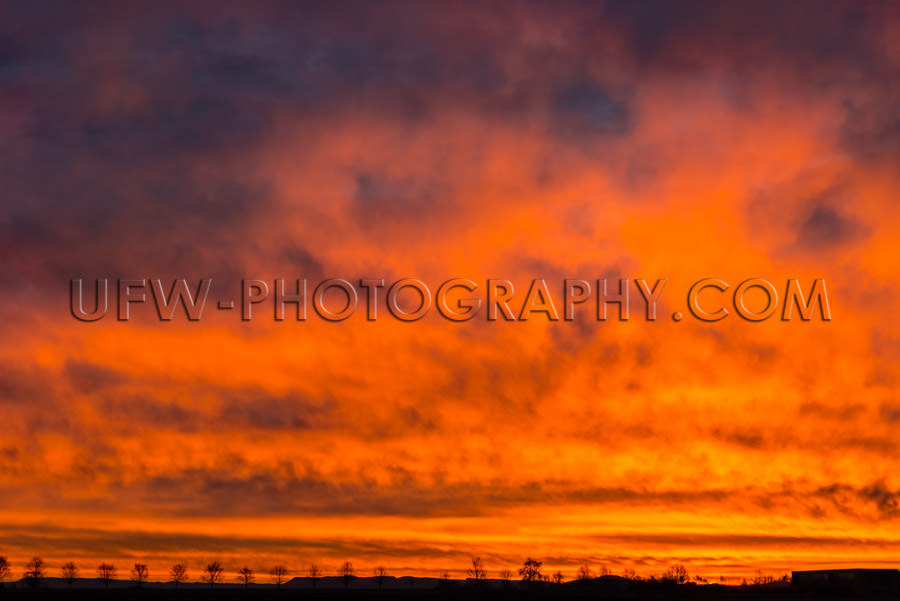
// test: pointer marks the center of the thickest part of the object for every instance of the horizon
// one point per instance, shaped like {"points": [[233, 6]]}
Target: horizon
{"points": [[232, 577], [261, 576], [379, 577]]}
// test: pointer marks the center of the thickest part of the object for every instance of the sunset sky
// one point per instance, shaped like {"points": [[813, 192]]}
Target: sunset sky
{"points": [[480, 140]]}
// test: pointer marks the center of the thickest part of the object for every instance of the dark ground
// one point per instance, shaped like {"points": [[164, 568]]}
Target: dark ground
{"points": [[707, 593]]}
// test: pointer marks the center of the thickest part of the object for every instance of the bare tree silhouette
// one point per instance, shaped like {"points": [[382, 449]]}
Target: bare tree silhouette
{"points": [[677, 574], [106, 572], [584, 573], [557, 577], [69, 572], [531, 571], [139, 574], [346, 572], [246, 576], [179, 574], [476, 570], [4, 569], [380, 575], [279, 575], [629, 574], [34, 571], [213, 573], [506, 576], [315, 572], [760, 578]]}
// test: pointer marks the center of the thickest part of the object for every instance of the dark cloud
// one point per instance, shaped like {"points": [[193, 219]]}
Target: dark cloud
{"points": [[90, 377], [825, 228], [381, 199], [751, 438], [588, 110], [735, 540], [874, 502], [203, 125], [140, 411], [890, 412], [871, 128], [886, 500], [803, 219], [257, 409], [160, 406], [775, 439], [830, 38], [123, 136], [21, 385], [302, 263], [842, 412]]}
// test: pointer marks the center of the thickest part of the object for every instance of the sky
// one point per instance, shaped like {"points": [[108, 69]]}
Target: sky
{"points": [[476, 140]]}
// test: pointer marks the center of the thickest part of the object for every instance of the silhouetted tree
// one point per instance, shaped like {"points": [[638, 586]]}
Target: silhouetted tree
{"points": [[584, 573], [445, 579], [557, 577], [139, 574], [213, 573], [630, 574], [69, 572], [279, 575], [346, 572], [246, 576], [315, 573], [531, 571], [179, 574], [476, 570], [380, 575], [4, 569], [34, 571], [106, 572], [760, 579], [677, 574], [506, 576]]}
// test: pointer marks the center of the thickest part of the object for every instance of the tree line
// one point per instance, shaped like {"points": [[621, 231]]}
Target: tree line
{"points": [[530, 573], [214, 573]]}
